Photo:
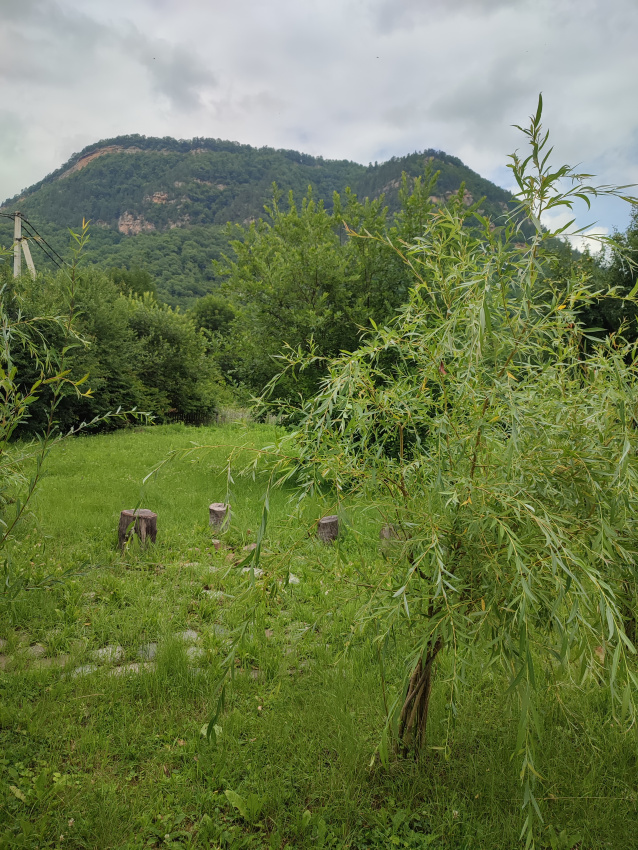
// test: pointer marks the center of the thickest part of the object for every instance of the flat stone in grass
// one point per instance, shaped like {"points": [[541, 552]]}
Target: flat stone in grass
{"points": [[258, 573], [147, 652], [214, 594], [84, 670], [3, 662], [189, 636], [133, 667], [36, 651], [220, 631], [194, 653], [56, 661], [3, 643], [108, 654], [292, 579]]}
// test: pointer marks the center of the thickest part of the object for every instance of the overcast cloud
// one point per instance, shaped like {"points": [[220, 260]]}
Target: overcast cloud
{"points": [[356, 79]]}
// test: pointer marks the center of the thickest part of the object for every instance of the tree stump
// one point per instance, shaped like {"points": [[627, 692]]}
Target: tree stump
{"points": [[328, 529], [388, 532], [144, 525], [218, 513]]}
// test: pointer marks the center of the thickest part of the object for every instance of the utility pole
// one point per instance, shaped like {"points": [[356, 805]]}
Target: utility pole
{"points": [[17, 245], [20, 244]]}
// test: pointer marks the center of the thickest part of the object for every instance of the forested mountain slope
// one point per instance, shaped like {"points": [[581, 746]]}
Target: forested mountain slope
{"points": [[162, 204]]}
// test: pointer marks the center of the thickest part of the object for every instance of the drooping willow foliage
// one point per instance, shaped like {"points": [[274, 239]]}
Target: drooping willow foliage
{"points": [[502, 451]]}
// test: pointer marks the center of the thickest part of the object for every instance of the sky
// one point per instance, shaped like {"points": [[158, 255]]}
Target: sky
{"points": [[345, 79]]}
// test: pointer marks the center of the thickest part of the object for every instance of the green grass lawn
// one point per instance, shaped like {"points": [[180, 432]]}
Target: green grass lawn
{"points": [[102, 752]]}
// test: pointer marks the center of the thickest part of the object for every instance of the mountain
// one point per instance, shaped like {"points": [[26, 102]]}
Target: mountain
{"points": [[162, 203]]}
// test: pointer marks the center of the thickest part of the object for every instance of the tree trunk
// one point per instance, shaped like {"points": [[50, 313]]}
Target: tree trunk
{"points": [[414, 714]]}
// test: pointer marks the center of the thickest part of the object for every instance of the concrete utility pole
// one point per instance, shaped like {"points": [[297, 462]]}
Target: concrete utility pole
{"points": [[17, 245], [20, 244]]}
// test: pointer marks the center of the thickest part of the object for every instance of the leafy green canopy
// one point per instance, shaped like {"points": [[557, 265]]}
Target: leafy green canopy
{"points": [[502, 452], [302, 280], [136, 352]]}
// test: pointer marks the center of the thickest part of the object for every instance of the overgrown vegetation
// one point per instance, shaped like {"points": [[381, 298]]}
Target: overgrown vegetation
{"points": [[467, 383], [119, 760], [501, 453]]}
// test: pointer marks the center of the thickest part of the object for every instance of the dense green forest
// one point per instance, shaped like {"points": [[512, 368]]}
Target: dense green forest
{"points": [[163, 204], [194, 313]]}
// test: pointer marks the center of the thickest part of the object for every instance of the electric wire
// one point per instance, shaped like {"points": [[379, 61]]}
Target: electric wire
{"points": [[37, 242], [42, 239]]}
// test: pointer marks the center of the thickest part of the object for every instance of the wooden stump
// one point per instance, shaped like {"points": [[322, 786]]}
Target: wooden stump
{"points": [[218, 512], [144, 525], [328, 529], [388, 532]]}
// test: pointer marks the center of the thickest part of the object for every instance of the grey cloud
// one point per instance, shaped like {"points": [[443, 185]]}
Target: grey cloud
{"points": [[174, 71], [391, 15]]}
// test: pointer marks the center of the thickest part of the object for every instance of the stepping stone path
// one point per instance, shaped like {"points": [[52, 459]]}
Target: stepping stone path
{"points": [[37, 651], [147, 652], [109, 654], [189, 636], [56, 661], [214, 594], [84, 670], [114, 654], [195, 652], [133, 667]]}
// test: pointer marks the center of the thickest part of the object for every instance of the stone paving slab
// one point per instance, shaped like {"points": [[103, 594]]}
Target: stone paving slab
{"points": [[108, 654]]}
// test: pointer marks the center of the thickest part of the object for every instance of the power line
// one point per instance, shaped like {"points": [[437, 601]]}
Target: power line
{"points": [[42, 239], [39, 240], [49, 251]]}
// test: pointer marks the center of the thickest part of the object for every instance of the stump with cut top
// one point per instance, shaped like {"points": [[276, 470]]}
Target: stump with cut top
{"points": [[141, 521], [389, 536], [218, 513], [328, 529]]}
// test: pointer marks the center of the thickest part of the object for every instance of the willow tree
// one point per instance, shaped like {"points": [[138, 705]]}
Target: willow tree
{"points": [[502, 451]]}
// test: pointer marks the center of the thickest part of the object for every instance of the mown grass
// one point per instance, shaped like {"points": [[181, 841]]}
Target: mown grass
{"points": [[103, 761]]}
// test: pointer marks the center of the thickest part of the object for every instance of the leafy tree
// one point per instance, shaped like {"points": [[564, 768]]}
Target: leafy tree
{"points": [[173, 371], [133, 281], [138, 353], [615, 271], [303, 280], [213, 313], [513, 490], [31, 340]]}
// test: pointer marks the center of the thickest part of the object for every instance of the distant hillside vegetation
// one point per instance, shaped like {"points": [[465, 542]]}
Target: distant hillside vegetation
{"points": [[161, 204]]}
